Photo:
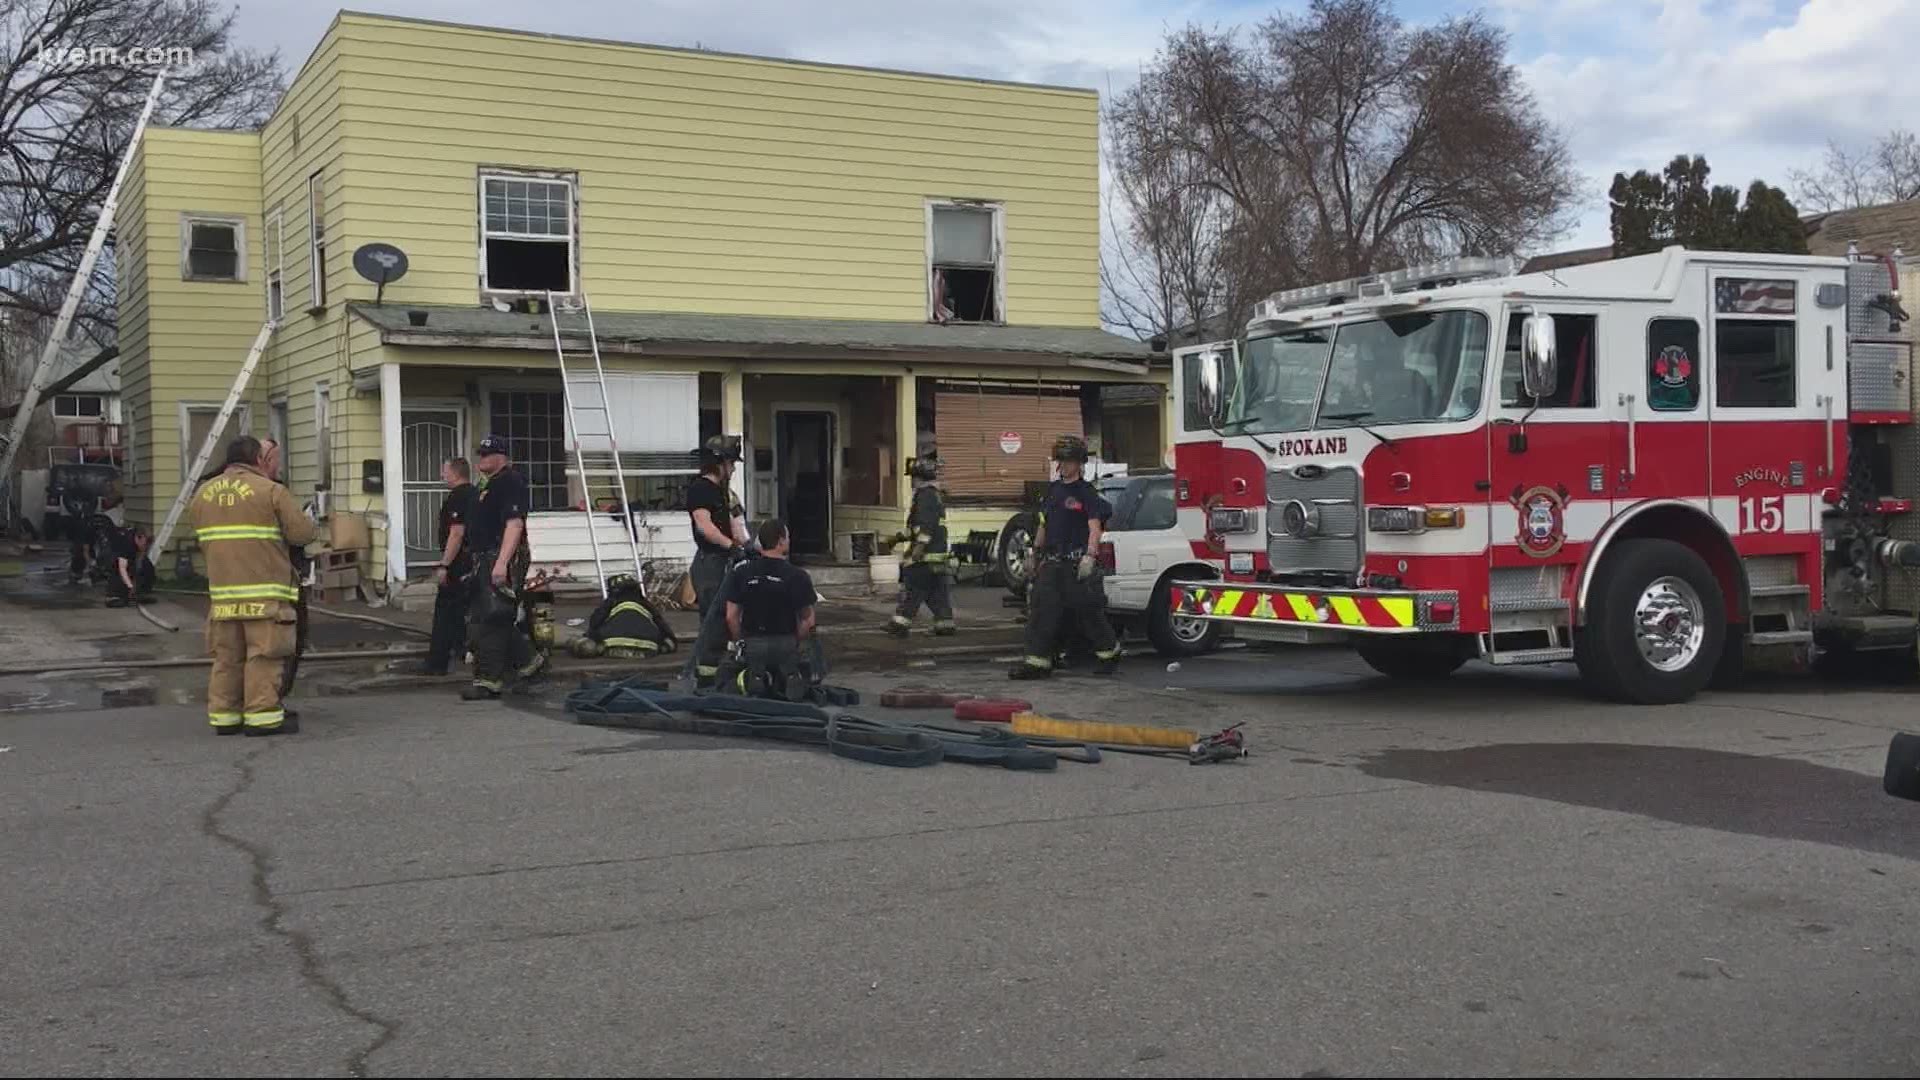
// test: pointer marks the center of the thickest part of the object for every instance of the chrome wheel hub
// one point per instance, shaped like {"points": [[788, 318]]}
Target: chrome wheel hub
{"points": [[1187, 631], [1669, 624]]}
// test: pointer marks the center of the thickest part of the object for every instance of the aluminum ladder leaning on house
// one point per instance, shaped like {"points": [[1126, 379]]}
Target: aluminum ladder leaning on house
{"points": [[23, 415], [593, 468], [190, 477]]}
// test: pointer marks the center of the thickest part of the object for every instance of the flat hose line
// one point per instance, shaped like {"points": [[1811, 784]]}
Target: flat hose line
{"points": [[637, 703]]}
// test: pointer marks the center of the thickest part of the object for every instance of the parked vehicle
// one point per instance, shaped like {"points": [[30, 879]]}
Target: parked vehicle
{"points": [[1144, 552], [1652, 467]]}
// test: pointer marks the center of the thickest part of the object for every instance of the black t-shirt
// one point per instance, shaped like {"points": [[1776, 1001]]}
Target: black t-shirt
{"points": [[707, 494], [457, 510], [771, 594], [503, 499], [1068, 509], [123, 547]]}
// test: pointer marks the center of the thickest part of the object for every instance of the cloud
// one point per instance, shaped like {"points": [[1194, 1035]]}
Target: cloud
{"points": [[1756, 93]]}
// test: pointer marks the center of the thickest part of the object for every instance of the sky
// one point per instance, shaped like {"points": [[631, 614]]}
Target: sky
{"points": [[1757, 86]]}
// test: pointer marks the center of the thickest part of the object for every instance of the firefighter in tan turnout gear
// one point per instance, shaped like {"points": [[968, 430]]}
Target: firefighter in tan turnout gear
{"points": [[244, 522]]}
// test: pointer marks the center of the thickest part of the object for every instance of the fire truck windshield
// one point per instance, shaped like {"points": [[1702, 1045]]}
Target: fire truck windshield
{"points": [[1402, 369]]}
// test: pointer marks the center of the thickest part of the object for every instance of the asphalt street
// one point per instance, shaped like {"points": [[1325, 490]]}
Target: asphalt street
{"points": [[1494, 876]]}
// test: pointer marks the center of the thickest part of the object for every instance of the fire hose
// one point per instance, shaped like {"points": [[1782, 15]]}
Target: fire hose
{"points": [[649, 705]]}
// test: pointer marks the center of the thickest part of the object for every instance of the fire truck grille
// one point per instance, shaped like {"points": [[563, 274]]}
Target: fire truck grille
{"points": [[1332, 499]]}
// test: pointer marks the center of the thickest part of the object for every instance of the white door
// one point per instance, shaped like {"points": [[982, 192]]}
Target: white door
{"points": [[428, 437]]}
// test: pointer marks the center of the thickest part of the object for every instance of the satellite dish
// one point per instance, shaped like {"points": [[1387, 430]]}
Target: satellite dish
{"points": [[380, 263]]}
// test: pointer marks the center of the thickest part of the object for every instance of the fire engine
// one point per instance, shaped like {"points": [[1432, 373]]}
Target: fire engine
{"points": [[1657, 468]]}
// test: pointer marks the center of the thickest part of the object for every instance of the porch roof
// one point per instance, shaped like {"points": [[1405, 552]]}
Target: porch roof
{"points": [[755, 336]]}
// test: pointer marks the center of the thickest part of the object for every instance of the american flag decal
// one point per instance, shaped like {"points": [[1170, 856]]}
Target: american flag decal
{"points": [[1752, 296]]}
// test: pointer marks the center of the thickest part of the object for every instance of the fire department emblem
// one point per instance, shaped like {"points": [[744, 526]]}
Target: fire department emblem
{"points": [[1543, 520]]}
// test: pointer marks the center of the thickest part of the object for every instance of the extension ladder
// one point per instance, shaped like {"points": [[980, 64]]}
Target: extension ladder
{"points": [[593, 465], [190, 477], [23, 415]]}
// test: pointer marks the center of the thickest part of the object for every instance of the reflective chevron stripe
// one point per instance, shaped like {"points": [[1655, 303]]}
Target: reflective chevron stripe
{"points": [[1330, 609]]}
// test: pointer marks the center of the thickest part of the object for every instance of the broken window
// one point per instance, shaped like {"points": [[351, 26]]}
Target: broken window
{"points": [[213, 246], [965, 264], [527, 231]]}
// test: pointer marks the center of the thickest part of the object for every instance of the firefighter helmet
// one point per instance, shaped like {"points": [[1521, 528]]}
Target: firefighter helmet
{"points": [[718, 449], [622, 582], [1070, 448], [923, 468]]}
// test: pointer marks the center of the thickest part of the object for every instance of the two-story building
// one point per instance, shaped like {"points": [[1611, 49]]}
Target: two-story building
{"points": [[846, 267]]}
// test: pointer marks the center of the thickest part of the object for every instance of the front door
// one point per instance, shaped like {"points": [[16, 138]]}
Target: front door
{"points": [[428, 437], [1550, 464], [804, 449]]}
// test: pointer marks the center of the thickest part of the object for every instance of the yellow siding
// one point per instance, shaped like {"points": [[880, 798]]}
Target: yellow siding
{"points": [[310, 348], [131, 293], [193, 336], [706, 182]]}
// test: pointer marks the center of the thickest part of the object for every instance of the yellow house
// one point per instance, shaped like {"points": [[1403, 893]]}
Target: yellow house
{"points": [[845, 267]]}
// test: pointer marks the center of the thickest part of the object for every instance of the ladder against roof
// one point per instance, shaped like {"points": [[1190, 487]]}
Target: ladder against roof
{"points": [[583, 384]]}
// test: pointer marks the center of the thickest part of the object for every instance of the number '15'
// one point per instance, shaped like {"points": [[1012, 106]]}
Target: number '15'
{"points": [[1764, 513]]}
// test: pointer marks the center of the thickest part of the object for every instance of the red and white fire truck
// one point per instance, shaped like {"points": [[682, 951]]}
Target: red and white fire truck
{"points": [[1650, 467]]}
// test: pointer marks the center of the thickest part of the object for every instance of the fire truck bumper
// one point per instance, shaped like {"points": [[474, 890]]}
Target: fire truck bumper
{"points": [[1366, 611]]}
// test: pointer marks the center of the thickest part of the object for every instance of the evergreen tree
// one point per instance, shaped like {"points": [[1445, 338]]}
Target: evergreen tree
{"points": [[1677, 206]]}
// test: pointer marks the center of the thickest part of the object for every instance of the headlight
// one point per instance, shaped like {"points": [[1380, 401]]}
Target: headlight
{"points": [[1414, 519], [1227, 520]]}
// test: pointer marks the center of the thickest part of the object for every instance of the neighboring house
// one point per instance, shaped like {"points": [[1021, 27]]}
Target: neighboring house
{"points": [[842, 265], [88, 412]]}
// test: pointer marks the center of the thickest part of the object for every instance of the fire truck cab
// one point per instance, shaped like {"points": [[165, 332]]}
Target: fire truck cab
{"points": [[1650, 467]]}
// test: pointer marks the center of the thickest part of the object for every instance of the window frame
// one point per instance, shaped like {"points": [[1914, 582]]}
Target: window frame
{"points": [[316, 242], [273, 262], [243, 414], [323, 435], [571, 180], [998, 210], [237, 222], [100, 416]]}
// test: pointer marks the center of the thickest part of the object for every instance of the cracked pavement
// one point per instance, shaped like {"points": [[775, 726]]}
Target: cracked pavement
{"points": [[1493, 876]]}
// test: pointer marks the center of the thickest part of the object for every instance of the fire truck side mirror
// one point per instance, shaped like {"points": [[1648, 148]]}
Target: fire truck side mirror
{"points": [[1539, 369], [1212, 375]]}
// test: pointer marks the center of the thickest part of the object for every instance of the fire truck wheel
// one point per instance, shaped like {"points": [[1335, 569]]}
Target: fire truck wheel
{"points": [[1415, 659], [1656, 626]]}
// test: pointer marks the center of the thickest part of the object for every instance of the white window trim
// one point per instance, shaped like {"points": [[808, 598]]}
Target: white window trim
{"points": [[274, 260], [187, 408], [572, 181], [999, 254], [190, 218], [316, 243], [322, 436]]}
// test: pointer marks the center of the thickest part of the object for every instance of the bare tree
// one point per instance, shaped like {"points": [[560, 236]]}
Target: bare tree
{"points": [[1886, 171], [66, 117], [1346, 141]]}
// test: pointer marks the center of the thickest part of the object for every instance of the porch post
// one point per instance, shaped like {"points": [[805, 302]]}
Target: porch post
{"points": [[393, 473], [907, 425], [733, 421], [1166, 425]]}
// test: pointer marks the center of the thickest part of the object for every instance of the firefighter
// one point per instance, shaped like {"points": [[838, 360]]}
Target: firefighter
{"points": [[1066, 582], [926, 578], [720, 542], [625, 625], [243, 522], [450, 574], [496, 535], [770, 614], [133, 578]]}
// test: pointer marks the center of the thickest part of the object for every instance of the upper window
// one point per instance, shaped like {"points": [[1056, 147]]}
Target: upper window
{"points": [[79, 407], [274, 243], [212, 247], [528, 233], [964, 263], [1753, 343], [317, 241]]}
